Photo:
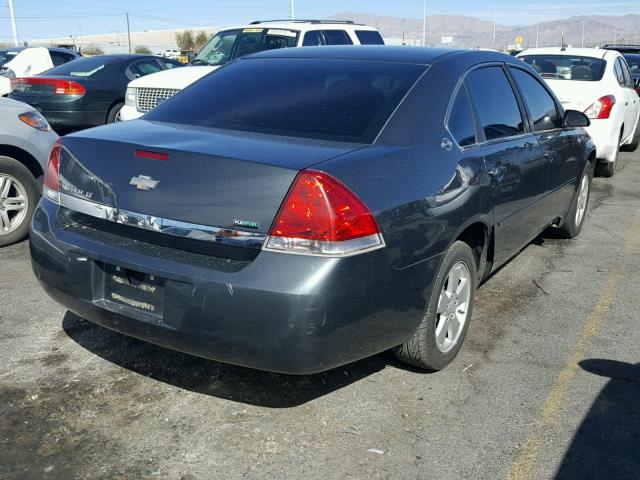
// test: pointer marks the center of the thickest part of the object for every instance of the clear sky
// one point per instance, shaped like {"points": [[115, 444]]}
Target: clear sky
{"points": [[53, 18]]}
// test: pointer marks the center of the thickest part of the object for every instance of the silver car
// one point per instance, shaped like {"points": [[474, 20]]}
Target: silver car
{"points": [[25, 142]]}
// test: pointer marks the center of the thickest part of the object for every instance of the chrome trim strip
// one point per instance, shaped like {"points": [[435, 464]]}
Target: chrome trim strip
{"points": [[224, 236]]}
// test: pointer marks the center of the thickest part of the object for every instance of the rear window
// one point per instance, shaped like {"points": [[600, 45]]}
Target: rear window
{"points": [[369, 37], [83, 67], [341, 100], [567, 67]]}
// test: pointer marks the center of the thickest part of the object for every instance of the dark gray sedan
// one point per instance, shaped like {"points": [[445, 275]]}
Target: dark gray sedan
{"points": [[304, 208]]}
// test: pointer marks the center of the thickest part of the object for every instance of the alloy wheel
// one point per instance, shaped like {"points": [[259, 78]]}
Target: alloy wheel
{"points": [[14, 204], [453, 307], [583, 195]]}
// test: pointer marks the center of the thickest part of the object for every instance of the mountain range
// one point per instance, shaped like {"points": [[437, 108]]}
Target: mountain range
{"points": [[470, 32]]}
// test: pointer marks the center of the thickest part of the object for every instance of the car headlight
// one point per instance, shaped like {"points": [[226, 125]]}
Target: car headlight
{"points": [[35, 120], [130, 96]]}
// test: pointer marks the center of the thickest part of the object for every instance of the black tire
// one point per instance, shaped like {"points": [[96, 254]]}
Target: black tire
{"points": [[422, 350], [18, 172], [113, 112], [606, 169], [635, 142], [570, 227]]}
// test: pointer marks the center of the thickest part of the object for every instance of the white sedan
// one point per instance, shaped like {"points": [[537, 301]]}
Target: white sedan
{"points": [[598, 83]]}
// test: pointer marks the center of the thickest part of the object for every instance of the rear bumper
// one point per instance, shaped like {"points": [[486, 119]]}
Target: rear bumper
{"points": [[286, 313], [74, 119], [605, 136]]}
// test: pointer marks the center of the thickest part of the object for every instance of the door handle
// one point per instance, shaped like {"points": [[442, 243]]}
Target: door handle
{"points": [[626, 103]]}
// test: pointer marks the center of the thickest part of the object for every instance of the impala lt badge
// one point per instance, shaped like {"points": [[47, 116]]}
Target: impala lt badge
{"points": [[142, 182]]}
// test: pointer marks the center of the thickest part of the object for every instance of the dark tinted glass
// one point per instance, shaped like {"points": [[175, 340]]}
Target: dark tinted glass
{"points": [[142, 68], [264, 39], [58, 58], [567, 67], [460, 121], [327, 99], [541, 104], [633, 60], [628, 82], [495, 102], [368, 37], [7, 56], [337, 37], [313, 39]]}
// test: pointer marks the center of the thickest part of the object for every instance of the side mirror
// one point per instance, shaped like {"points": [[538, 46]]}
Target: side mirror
{"points": [[574, 118]]}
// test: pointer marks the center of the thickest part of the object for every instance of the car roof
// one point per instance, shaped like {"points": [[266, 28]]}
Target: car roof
{"points": [[581, 52], [303, 25], [381, 53], [51, 49]]}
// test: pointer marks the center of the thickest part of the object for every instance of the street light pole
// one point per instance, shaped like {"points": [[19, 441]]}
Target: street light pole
{"points": [[537, 33], [424, 23], [583, 34], [128, 32], [293, 9], [493, 42], [13, 24]]}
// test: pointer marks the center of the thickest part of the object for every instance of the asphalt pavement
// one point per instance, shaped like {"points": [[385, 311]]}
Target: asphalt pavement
{"points": [[547, 384]]}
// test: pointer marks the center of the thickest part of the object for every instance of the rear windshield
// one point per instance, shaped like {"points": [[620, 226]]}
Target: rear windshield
{"points": [[82, 67], [634, 63], [567, 67], [342, 100], [369, 37]]}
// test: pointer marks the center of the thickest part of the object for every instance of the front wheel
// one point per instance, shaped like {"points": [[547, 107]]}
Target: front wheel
{"points": [[574, 220], [18, 197], [440, 334]]}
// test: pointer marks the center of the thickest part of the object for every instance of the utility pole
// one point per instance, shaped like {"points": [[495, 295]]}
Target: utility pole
{"points": [[13, 24], [293, 9], [129, 32], [537, 33], [493, 42], [424, 23], [583, 34], [615, 36]]}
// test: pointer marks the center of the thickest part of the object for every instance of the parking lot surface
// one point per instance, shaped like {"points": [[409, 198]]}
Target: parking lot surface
{"points": [[547, 384]]}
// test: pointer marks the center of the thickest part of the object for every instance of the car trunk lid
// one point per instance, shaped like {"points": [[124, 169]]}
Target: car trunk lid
{"points": [[223, 179]]}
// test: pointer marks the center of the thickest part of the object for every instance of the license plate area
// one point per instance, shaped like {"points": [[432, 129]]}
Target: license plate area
{"points": [[129, 292]]}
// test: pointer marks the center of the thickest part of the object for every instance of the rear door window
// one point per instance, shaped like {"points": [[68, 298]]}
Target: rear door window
{"points": [[495, 103], [460, 119], [369, 37], [142, 68], [59, 58], [617, 67], [542, 107], [314, 38], [337, 37], [628, 81]]}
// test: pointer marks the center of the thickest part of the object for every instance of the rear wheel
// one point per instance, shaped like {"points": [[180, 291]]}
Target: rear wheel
{"points": [[114, 113], [635, 142], [574, 220], [18, 197], [440, 334]]}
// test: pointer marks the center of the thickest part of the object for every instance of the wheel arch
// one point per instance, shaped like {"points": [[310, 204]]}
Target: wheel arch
{"points": [[24, 158], [478, 233]]}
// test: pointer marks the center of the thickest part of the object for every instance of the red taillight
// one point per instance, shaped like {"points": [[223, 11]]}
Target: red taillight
{"points": [[51, 185], [322, 216], [163, 157], [60, 87], [601, 108]]}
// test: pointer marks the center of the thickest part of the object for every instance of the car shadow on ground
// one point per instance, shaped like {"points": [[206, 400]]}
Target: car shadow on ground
{"points": [[607, 444], [217, 379]]}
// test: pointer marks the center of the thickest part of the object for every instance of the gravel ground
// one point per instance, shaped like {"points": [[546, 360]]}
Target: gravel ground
{"points": [[547, 384]]}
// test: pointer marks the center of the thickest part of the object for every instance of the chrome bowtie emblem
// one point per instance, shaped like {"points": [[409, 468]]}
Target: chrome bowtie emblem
{"points": [[142, 182]]}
